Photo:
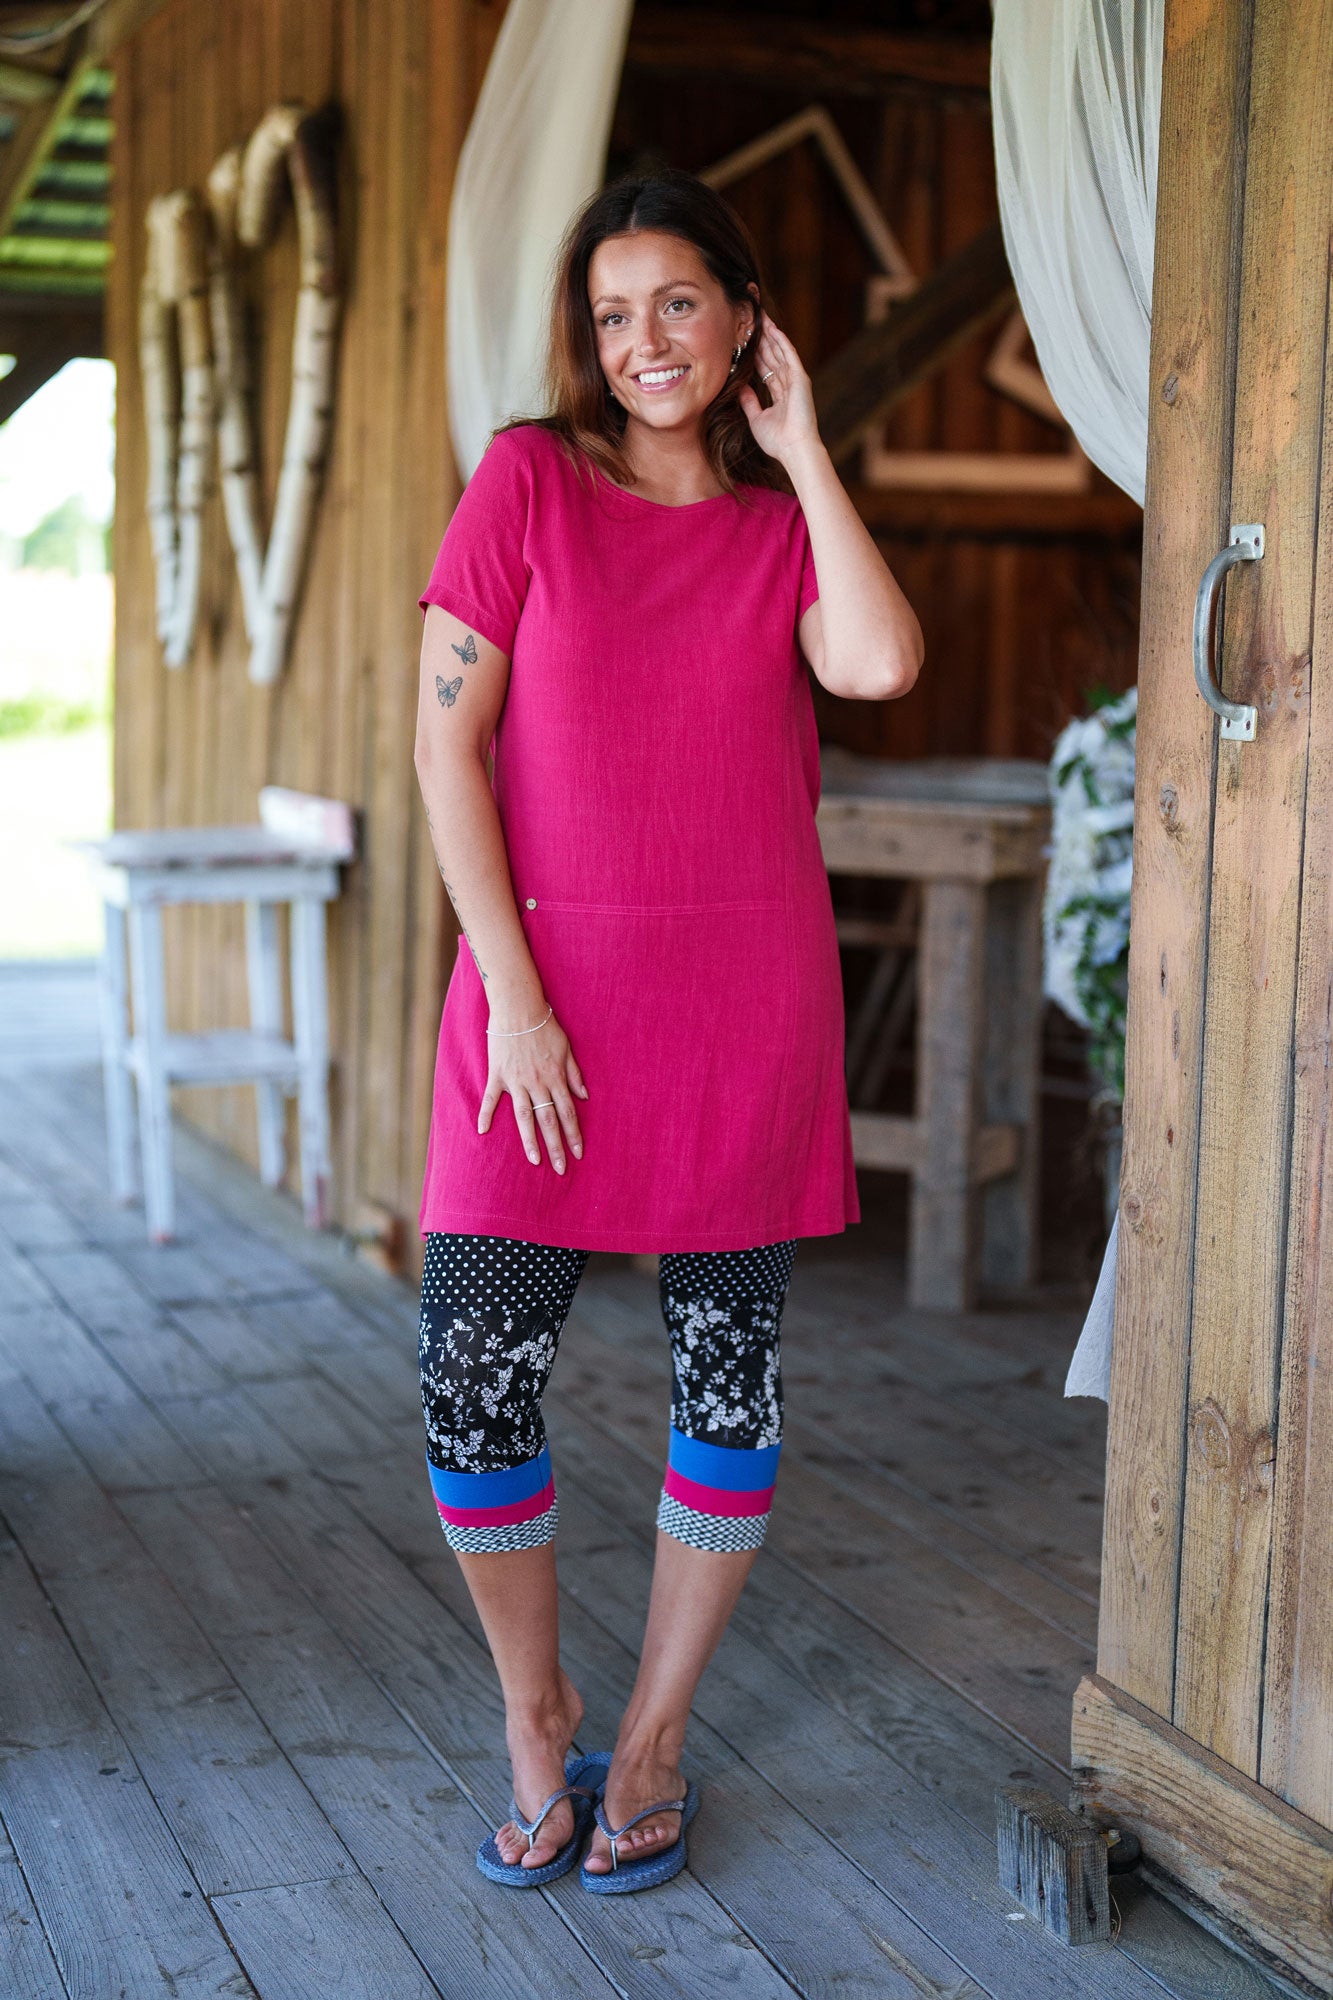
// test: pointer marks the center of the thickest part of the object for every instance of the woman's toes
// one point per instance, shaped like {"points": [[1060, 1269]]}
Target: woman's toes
{"points": [[512, 1844]]}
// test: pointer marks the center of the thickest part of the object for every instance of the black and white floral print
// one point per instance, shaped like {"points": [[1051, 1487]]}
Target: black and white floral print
{"points": [[723, 1310], [492, 1312]]}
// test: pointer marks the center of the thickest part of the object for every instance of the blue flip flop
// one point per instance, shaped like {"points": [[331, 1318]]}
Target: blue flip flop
{"points": [[624, 1876], [585, 1779]]}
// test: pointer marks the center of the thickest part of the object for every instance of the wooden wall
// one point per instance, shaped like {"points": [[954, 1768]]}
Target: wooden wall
{"points": [[195, 745], [1022, 611]]}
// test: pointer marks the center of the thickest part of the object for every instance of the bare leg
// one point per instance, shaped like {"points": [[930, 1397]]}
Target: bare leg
{"points": [[694, 1594], [514, 1591]]}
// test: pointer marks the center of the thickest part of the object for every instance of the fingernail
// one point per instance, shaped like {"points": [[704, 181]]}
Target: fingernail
{"points": [[578, 1152], [560, 1166], [533, 1158]]}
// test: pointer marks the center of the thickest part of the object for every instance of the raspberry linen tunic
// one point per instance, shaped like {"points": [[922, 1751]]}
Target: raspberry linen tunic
{"points": [[656, 773]]}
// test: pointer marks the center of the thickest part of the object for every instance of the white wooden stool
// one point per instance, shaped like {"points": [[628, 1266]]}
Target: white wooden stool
{"points": [[291, 856]]}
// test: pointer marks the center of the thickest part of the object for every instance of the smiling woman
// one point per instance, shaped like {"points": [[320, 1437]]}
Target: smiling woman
{"points": [[623, 606]]}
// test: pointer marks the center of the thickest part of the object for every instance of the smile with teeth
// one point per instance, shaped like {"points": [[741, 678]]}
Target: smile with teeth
{"points": [[660, 378]]}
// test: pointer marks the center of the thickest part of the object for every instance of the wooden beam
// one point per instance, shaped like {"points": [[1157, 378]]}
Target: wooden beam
{"points": [[793, 55], [899, 511], [18, 282], [57, 253], [1243, 1851], [31, 371], [886, 361], [35, 136], [26, 323]]}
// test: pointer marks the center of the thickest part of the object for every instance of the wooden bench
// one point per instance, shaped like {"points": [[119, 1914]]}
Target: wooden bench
{"points": [[970, 834], [291, 856]]}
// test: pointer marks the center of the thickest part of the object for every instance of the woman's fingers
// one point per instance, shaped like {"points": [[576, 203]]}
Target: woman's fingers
{"points": [[569, 1119], [575, 1074], [550, 1131], [527, 1124], [490, 1097]]}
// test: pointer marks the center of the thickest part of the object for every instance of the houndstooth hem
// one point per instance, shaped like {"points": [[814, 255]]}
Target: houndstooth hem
{"points": [[722, 1533], [512, 1535]]}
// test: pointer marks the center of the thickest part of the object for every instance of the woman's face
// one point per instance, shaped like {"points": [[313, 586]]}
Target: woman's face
{"points": [[665, 327]]}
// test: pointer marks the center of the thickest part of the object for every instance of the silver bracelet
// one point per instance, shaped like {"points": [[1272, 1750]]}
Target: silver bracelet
{"points": [[523, 1031]]}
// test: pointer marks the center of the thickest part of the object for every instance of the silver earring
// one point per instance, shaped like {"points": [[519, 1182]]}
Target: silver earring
{"points": [[735, 357]]}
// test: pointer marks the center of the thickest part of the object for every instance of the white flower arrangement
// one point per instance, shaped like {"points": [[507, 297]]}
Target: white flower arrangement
{"points": [[1085, 913]]}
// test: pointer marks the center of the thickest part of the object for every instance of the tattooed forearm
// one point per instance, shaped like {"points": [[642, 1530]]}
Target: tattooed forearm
{"points": [[462, 926]]}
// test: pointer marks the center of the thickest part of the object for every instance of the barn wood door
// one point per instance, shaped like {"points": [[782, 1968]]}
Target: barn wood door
{"points": [[1209, 1724]]}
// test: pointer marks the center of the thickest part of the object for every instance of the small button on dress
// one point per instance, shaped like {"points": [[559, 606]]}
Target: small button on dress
{"points": [[656, 774]]}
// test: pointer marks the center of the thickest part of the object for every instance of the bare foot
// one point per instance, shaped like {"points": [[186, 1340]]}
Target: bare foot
{"points": [[639, 1777], [538, 1746]]}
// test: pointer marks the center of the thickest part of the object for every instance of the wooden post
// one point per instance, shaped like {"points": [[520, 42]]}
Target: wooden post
{"points": [[1054, 1862], [264, 971], [150, 1032], [951, 970], [114, 998], [1011, 1076]]}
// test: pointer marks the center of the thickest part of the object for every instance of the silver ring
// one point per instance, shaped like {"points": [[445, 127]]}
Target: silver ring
{"points": [[542, 1106], [768, 377]]}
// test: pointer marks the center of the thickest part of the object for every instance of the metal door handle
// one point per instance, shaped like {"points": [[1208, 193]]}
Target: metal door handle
{"points": [[1246, 545]]}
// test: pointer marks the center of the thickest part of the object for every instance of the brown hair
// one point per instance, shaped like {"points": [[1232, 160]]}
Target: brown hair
{"points": [[581, 410]]}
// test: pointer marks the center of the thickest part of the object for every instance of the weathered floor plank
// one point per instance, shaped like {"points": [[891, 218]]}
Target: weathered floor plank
{"points": [[211, 1461]]}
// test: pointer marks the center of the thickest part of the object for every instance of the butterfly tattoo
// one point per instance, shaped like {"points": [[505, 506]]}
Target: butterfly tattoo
{"points": [[467, 652], [446, 690]]}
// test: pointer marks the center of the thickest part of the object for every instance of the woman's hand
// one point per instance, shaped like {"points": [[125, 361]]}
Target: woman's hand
{"points": [[789, 426], [542, 1078]]}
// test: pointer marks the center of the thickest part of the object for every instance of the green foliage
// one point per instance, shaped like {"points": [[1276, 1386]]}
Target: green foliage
{"points": [[70, 539], [32, 713]]}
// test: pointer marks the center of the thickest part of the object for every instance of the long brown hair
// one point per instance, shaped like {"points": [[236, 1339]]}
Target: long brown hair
{"points": [[581, 410]]}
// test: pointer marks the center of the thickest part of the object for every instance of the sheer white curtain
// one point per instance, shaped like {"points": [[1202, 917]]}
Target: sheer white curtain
{"points": [[534, 151], [1076, 97]]}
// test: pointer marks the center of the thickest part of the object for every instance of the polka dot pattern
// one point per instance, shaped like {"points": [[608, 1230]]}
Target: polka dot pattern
{"points": [[492, 1312]]}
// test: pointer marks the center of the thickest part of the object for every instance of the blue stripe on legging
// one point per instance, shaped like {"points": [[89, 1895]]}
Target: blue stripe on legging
{"points": [[492, 1489], [731, 1467]]}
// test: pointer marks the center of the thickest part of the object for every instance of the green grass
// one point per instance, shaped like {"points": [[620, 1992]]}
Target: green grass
{"points": [[47, 714]]}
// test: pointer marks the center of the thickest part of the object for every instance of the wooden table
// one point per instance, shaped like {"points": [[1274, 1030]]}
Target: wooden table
{"points": [[294, 859], [971, 833]]}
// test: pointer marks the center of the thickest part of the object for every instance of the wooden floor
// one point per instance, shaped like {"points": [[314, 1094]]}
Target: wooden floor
{"points": [[252, 1738]]}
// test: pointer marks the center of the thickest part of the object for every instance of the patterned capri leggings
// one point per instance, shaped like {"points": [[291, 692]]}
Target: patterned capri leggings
{"points": [[492, 1310]]}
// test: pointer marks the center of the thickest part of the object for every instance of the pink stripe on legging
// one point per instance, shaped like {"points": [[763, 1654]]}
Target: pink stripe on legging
{"points": [[712, 1499]]}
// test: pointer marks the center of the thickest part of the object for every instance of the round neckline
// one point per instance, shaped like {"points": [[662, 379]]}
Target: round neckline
{"points": [[661, 506]]}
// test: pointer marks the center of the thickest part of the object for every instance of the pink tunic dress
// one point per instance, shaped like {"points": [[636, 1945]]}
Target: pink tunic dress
{"points": [[656, 772]]}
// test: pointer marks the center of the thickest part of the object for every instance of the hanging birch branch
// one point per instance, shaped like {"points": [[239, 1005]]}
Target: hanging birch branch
{"points": [[177, 360], [235, 429], [288, 146], [159, 363]]}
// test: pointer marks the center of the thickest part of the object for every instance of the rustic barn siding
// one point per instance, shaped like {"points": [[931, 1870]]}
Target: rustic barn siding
{"points": [[1018, 622], [195, 745]]}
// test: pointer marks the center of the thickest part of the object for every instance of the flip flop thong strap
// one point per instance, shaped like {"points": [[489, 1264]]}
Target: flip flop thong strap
{"points": [[532, 1827], [614, 1834]]}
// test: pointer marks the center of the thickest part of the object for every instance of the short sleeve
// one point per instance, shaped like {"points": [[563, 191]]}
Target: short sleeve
{"points": [[482, 569], [809, 590]]}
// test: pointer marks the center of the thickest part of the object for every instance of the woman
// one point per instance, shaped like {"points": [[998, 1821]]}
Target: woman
{"points": [[651, 971]]}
